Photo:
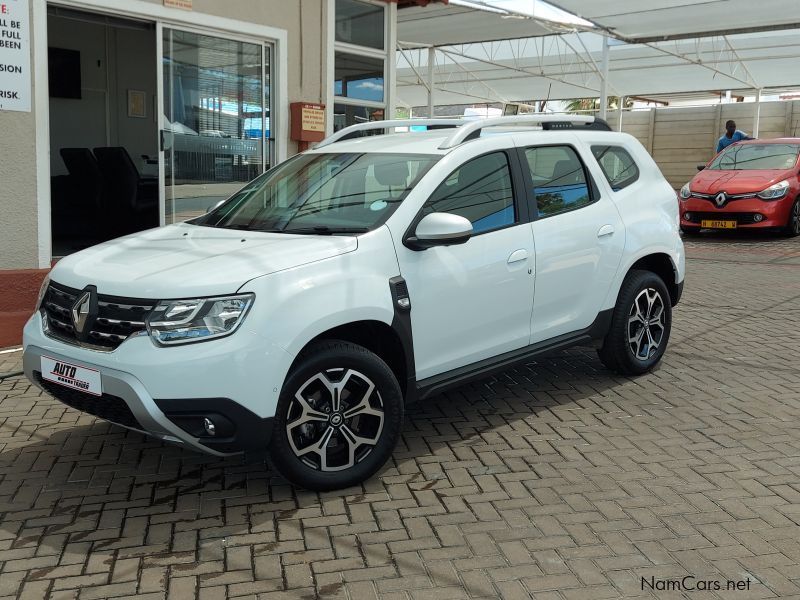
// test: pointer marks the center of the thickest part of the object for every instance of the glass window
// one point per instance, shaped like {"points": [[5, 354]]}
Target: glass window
{"points": [[323, 193], [480, 190], [359, 23], [747, 157], [358, 77], [559, 181], [216, 119], [345, 115], [617, 166]]}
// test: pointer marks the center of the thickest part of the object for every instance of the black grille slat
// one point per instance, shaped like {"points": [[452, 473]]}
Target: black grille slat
{"points": [[107, 407], [117, 319]]}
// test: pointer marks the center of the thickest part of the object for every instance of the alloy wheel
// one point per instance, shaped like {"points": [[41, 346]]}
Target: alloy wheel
{"points": [[794, 219], [646, 326], [335, 419]]}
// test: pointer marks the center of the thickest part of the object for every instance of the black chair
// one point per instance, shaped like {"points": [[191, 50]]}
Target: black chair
{"points": [[77, 207], [131, 200]]}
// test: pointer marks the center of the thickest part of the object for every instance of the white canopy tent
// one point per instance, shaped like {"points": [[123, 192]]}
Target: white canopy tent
{"points": [[508, 51]]}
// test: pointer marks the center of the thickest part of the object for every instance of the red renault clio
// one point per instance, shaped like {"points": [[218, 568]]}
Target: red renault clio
{"points": [[750, 184]]}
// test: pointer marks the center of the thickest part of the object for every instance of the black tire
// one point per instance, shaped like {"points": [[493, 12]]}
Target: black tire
{"points": [[617, 352], [690, 231], [357, 367], [792, 228]]}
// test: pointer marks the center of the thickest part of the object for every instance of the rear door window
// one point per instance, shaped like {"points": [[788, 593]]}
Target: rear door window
{"points": [[559, 180]]}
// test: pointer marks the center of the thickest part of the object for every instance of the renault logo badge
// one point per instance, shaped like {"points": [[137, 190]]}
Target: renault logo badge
{"points": [[720, 199], [80, 311]]}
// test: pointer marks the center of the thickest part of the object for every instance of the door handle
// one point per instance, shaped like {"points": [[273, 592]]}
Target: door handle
{"points": [[517, 256], [605, 230]]}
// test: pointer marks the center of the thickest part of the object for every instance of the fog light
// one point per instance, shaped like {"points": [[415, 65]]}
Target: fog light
{"points": [[687, 216], [758, 218], [209, 426]]}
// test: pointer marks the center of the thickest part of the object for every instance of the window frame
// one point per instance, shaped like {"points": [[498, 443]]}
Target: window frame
{"points": [[522, 216], [630, 181], [534, 213]]}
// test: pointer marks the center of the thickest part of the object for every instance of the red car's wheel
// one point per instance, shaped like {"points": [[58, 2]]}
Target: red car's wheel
{"points": [[793, 224]]}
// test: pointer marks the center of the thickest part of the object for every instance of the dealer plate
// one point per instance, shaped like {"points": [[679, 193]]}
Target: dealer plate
{"points": [[718, 224], [72, 376]]}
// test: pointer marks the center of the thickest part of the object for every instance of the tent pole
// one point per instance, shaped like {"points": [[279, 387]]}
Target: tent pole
{"points": [[757, 114], [604, 81], [431, 64], [621, 101]]}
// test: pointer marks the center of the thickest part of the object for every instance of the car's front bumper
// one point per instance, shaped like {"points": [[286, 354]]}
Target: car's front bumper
{"points": [[774, 213], [167, 394]]}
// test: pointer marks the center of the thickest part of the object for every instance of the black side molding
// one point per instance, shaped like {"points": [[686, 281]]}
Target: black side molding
{"points": [[401, 323], [438, 383]]}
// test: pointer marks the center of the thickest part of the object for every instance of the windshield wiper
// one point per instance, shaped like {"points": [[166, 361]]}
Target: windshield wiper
{"points": [[325, 230]]}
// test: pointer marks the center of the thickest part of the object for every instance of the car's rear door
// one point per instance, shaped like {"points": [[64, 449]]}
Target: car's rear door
{"points": [[578, 233]]}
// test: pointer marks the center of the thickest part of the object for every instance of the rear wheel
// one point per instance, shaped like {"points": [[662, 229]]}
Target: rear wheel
{"points": [[338, 417], [793, 224], [640, 325]]}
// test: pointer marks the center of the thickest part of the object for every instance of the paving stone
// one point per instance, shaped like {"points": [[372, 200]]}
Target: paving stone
{"points": [[552, 480]]}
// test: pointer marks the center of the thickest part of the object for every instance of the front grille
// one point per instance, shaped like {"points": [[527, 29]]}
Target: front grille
{"points": [[740, 217], [117, 318], [108, 407]]}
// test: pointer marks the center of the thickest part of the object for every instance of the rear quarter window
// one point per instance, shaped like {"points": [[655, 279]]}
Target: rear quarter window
{"points": [[617, 165]]}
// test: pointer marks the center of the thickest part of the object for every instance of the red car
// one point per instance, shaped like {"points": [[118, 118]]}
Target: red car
{"points": [[753, 184]]}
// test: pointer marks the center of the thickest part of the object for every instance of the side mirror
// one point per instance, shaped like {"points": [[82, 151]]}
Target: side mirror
{"points": [[439, 229], [700, 167]]}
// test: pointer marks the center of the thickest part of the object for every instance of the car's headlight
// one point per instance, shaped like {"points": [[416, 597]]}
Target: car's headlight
{"points": [[185, 321], [42, 291], [686, 192], [774, 192]]}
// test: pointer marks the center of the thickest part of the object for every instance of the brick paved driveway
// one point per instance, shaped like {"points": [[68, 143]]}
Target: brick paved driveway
{"points": [[554, 480]]}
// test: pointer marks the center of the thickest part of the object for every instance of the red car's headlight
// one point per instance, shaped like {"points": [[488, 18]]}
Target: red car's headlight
{"points": [[774, 192]]}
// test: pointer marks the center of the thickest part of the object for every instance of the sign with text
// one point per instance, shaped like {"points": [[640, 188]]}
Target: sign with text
{"points": [[307, 121], [184, 4], [15, 56]]}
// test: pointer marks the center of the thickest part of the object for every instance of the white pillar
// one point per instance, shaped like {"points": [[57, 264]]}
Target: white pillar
{"points": [[757, 113], [431, 65], [391, 60], [604, 81], [621, 102]]}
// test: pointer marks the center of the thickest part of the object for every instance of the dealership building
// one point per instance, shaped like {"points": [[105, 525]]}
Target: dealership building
{"points": [[119, 115]]}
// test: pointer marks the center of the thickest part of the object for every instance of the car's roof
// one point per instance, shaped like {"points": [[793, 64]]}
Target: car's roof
{"points": [[786, 140], [428, 142]]}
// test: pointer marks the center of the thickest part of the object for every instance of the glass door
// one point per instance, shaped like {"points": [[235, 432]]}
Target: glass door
{"points": [[215, 131]]}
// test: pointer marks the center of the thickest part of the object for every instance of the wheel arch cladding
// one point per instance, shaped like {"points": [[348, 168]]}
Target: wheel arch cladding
{"points": [[661, 265], [379, 338]]}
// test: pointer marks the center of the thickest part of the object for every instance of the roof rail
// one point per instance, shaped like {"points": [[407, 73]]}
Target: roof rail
{"points": [[354, 130], [472, 129]]}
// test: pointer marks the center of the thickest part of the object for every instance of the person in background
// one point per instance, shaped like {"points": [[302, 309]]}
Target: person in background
{"points": [[731, 135]]}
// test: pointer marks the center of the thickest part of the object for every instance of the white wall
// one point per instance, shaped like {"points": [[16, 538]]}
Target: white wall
{"points": [[113, 60]]}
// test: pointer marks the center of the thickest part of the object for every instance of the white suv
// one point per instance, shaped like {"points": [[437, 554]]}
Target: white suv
{"points": [[304, 312]]}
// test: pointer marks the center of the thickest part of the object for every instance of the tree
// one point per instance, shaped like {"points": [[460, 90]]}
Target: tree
{"points": [[593, 104]]}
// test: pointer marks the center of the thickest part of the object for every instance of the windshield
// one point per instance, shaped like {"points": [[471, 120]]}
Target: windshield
{"points": [[323, 193], [748, 157]]}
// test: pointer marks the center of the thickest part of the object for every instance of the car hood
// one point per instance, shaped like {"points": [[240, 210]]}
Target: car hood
{"points": [[181, 261], [735, 182]]}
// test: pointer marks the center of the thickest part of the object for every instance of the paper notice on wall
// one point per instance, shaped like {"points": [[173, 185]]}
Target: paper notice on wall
{"points": [[15, 56], [184, 4]]}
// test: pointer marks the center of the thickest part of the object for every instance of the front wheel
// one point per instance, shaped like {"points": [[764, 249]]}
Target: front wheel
{"points": [[338, 418], [640, 325], [793, 224]]}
